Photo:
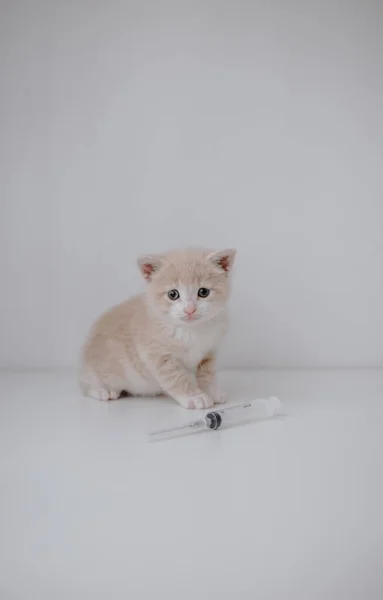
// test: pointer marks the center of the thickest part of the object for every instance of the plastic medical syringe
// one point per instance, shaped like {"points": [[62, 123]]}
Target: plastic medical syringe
{"points": [[225, 417]]}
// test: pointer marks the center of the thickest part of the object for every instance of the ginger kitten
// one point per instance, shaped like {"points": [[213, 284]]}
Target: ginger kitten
{"points": [[165, 339]]}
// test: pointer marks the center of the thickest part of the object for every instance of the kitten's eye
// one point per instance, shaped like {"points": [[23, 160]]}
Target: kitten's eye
{"points": [[173, 294], [203, 292]]}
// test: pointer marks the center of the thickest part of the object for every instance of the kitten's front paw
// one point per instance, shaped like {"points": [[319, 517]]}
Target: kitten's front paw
{"points": [[218, 397], [199, 401], [102, 394]]}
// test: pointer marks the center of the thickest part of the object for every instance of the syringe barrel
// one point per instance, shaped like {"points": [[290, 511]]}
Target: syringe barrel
{"points": [[263, 408]]}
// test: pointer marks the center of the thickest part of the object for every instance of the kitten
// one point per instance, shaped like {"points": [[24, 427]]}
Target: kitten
{"points": [[165, 339]]}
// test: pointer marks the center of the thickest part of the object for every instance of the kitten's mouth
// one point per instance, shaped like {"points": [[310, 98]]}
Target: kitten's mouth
{"points": [[190, 319]]}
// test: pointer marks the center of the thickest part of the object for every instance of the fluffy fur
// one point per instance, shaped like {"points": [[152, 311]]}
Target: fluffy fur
{"points": [[152, 344]]}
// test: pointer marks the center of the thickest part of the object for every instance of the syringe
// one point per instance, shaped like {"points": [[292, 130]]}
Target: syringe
{"points": [[225, 417]]}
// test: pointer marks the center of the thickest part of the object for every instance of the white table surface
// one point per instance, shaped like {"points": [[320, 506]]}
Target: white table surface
{"points": [[284, 509]]}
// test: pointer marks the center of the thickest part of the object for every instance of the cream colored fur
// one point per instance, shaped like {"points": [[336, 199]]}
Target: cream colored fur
{"points": [[151, 344]]}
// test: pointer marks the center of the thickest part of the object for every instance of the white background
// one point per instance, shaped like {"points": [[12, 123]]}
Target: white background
{"points": [[130, 127]]}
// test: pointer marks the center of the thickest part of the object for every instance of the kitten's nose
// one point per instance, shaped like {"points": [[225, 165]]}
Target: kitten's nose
{"points": [[189, 310]]}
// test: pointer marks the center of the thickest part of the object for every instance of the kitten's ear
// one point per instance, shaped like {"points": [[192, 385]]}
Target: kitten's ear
{"points": [[149, 264], [223, 259]]}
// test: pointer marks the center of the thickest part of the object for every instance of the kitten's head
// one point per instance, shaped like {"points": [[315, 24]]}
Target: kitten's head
{"points": [[188, 286]]}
